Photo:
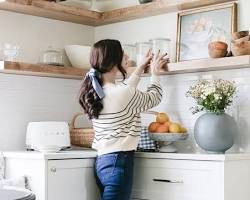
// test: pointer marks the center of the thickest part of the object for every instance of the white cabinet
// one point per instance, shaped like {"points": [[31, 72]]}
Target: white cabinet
{"points": [[217, 177], [67, 176], [157, 176]]}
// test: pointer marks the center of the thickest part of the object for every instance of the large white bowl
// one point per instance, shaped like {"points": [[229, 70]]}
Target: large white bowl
{"points": [[78, 55]]}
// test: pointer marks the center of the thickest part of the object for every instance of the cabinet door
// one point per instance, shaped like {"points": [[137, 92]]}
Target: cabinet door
{"points": [[72, 180], [178, 180]]}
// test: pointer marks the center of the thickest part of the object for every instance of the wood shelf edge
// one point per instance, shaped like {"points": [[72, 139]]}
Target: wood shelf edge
{"points": [[154, 8], [21, 68], [52, 10], [205, 65]]}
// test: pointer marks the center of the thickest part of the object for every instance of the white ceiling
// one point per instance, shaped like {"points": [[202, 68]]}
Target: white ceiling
{"points": [[101, 5], [113, 4]]}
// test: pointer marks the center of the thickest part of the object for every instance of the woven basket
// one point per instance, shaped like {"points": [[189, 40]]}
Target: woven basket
{"points": [[82, 137]]}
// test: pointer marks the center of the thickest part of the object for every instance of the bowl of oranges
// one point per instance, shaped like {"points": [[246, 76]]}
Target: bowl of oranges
{"points": [[165, 131]]}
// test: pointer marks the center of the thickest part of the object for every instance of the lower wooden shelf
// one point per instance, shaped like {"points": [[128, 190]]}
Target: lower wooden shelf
{"points": [[202, 65], [41, 70]]}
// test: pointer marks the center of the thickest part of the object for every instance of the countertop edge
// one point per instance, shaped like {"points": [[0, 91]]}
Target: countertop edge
{"points": [[88, 154]]}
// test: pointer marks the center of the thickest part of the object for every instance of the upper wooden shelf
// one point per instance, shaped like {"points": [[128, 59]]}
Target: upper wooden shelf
{"points": [[156, 7], [50, 9], [203, 65]]}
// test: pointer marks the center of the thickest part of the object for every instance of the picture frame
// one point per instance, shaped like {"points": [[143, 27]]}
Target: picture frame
{"points": [[197, 27]]}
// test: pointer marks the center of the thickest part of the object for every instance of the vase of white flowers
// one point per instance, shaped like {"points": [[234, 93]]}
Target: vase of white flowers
{"points": [[214, 131]]}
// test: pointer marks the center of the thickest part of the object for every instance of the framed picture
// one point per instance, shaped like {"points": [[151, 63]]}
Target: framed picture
{"points": [[198, 27]]}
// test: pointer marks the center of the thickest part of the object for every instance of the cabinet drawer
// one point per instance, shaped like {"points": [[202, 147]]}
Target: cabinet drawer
{"points": [[177, 180]]}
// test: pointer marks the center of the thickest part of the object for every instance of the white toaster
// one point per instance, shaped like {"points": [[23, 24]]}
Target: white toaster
{"points": [[47, 136]]}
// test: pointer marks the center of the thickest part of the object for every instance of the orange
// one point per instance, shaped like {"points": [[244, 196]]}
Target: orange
{"points": [[153, 126], [162, 118], [167, 124], [162, 129]]}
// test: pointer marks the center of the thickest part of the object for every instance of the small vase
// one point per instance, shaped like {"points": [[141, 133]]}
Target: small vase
{"points": [[215, 132]]}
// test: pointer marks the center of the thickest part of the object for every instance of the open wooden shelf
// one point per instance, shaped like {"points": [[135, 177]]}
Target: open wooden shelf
{"points": [[210, 64], [203, 65], [41, 70], [50, 9], [206, 65], [156, 7]]}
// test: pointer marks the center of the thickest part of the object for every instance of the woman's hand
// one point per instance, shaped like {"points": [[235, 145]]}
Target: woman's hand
{"points": [[158, 63], [145, 63]]}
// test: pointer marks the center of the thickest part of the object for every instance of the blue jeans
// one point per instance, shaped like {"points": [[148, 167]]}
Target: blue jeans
{"points": [[114, 175]]}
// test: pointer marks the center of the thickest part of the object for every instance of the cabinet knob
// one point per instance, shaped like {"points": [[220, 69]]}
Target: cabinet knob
{"points": [[167, 181], [53, 169]]}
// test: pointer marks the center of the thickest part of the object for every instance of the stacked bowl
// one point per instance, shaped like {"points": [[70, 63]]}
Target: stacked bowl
{"points": [[240, 43], [217, 49]]}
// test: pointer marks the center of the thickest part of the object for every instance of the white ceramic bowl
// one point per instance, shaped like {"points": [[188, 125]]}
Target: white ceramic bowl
{"points": [[78, 55], [170, 137]]}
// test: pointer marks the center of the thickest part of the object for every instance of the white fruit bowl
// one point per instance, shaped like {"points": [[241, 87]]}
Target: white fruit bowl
{"points": [[78, 55], [168, 140]]}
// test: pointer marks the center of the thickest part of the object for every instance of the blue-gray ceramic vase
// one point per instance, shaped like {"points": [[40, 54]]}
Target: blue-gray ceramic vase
{"points": [[215, 132]]}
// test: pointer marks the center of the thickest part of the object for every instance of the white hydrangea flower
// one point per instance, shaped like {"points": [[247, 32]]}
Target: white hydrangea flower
{"points": [[216, 96], [220, 89]]}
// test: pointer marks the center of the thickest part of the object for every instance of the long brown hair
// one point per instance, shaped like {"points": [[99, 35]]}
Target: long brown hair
{"points": [[104, 56]]}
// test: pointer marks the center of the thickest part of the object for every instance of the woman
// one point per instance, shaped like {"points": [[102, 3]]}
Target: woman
{"points": [[115, 112]]}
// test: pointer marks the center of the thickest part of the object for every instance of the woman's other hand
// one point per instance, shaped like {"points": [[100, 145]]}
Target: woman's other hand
{"points": [[158, 63]]}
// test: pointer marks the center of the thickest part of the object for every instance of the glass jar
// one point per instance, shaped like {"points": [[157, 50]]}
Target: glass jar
{"points": [[51, 57], [9, 52], [130, 50], [162, 44], [141, 51]]}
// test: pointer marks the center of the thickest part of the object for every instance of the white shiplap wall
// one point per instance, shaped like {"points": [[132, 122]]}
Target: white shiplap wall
{"points": [[27, 98], [34, 34], [24, 98], [175, 86], [177, 105]]}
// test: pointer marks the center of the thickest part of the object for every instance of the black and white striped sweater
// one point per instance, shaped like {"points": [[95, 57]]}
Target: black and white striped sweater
{"points": [[118, 126]]}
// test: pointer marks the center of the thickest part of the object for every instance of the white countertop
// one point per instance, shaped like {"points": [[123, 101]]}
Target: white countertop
{"points": [[195, 156], [80, 154], [72, 154]]}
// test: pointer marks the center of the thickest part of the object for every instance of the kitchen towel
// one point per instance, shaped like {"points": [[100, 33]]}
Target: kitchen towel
{"points": [[19, 182], [145, 143]]}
